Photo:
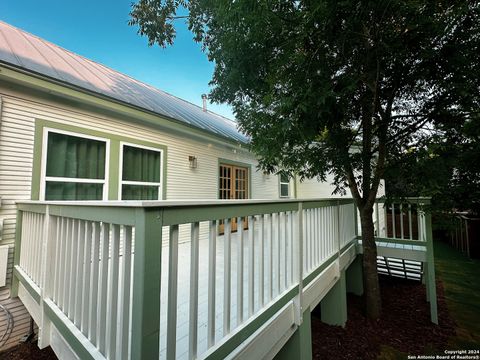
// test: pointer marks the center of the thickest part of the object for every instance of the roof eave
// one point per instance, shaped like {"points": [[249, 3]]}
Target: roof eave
{"points": [[53, 86]]}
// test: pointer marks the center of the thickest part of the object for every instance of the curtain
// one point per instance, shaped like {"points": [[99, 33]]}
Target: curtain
{"points": [[74, 157], [140, 165], [139, 192]]}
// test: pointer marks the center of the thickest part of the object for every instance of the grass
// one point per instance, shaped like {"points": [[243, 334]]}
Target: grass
{"points": [[461, 281]]}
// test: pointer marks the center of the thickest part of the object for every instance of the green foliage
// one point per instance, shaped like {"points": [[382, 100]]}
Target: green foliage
{"points": [[448, 166], [333, 87], [311, 80]]}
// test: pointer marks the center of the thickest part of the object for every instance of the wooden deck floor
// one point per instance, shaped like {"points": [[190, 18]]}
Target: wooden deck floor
{"points": [[184, 288]]}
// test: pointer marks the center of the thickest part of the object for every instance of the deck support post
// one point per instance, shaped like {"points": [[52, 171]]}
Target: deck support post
{"points": [[334, 304], [354, 277], [430, 270], [299, 346], [146, 284]]}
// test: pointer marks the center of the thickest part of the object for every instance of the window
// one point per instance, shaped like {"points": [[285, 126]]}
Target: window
{"points": [[141, 173], [284, 186], [75, 167]]}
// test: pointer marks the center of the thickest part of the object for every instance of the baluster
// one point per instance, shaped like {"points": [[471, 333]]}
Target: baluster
{"points": [[279, 256], [286, 248], [251, 265], [103, 287], [193, 315], [94, 282], [292, 248], [318, 237], [68, 254], [270, 263], [58, 252], [312, 238], [227, 274], [410, 221], [385, 216], [113, 294], [73, 269], [77, 298], [212, 256], [172, 293], [394, 234], [37, 255], [87, 267], [124, 305], [240, 270], [261, 291], [401, 221]]}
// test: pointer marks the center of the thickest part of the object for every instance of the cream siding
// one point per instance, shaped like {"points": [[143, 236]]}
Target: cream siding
{"points": [[312, 188]]}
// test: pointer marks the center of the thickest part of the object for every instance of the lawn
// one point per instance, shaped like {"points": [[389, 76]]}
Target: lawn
{"points": [[461, 281]]}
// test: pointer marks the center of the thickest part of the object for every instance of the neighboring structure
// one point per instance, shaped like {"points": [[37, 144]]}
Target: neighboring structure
{"points": [[72, 129]]}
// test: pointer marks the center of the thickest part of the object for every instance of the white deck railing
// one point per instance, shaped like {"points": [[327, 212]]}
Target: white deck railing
{"points": [[172, 279]]}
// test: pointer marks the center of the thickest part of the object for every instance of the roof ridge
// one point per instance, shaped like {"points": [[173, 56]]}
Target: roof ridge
{"points": [[23, 32]]}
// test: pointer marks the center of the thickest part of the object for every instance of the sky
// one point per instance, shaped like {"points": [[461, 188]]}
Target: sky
{"points": [[98, 30]]}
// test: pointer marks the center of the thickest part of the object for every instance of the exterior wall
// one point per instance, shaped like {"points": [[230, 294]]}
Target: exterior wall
{"points": [[312, 188], [18, 116]]}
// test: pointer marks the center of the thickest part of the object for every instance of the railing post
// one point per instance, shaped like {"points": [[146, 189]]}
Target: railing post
{"points": [[146, 284], [430, 281], [16, 251], [47, 254], [298, 299]]}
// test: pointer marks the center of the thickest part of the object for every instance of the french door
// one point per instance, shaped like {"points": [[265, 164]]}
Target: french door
{"points": [[233, 185]]}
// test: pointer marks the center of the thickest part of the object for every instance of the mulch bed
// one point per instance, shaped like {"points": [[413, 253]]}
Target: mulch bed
{"points": [[28, 351], [404, 325]]}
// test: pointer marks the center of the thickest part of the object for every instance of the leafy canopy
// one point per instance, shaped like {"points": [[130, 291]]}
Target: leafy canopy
{"points": [[333, 86], [449, 166]]}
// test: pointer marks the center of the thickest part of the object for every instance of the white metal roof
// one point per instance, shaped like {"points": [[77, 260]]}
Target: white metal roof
{"points": [[26, 51]]}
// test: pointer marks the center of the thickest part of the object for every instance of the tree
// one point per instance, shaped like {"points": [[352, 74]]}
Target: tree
{"points": [[450, 166], [311, 80]]}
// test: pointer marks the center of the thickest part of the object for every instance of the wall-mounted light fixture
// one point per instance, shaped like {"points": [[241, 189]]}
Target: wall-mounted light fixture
{"points": [[193, 161]]}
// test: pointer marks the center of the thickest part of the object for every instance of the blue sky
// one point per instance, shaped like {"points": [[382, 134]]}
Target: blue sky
{"points": [[98, 30]]}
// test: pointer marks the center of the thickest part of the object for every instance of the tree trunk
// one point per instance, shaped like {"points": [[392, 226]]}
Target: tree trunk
{"points": [[373, 302]]}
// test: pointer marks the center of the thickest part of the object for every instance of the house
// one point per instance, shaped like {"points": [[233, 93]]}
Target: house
{"points": [[73, 129], [151, 263]]}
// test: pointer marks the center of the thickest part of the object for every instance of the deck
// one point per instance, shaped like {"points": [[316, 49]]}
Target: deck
{"points": [[90, 274]]}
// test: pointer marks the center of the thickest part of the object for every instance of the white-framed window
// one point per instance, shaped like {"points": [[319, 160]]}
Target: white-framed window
{"points": [[141, 170], [284, 186], [74, 166]]}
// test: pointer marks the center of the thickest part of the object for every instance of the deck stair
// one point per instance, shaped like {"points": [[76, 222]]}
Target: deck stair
{"points": [[403, 268]]}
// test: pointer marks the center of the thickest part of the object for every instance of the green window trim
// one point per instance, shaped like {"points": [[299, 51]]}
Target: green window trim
{"points": [[146, 180], [113, 153], [68, 170]]}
